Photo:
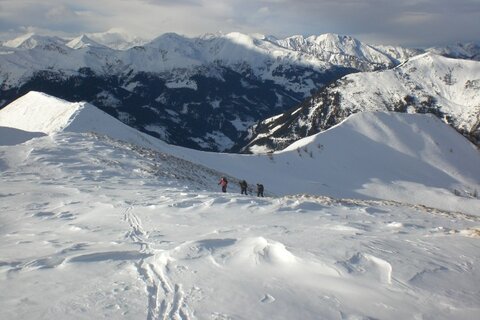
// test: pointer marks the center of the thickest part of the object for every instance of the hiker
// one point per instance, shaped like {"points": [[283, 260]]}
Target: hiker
{"points": [[243, 187], [259, 190], [223, 182]]}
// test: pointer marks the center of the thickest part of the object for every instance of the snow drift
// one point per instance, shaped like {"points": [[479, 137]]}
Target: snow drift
{"points": [[12, 136]]}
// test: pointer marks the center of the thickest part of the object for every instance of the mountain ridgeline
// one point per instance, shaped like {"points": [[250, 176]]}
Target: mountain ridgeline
{"points": [[428, 83], [205, 93]]}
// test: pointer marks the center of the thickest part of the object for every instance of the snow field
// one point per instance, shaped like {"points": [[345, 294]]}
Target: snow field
{"points": [[118, 242]]}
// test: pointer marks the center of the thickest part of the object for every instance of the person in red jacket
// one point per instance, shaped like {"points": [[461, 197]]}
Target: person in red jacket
{"points": [[223, 182]]}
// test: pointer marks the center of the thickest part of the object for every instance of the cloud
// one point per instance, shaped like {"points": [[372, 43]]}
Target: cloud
{"points": [[407, 22]]}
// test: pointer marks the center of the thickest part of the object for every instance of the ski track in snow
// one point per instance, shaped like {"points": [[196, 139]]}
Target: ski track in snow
{"points": [[157, 261], [165, 300]]}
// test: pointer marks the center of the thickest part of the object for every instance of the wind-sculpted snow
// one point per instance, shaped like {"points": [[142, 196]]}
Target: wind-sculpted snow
{"points": [[102, 221], [11, 136], [98, 228]]}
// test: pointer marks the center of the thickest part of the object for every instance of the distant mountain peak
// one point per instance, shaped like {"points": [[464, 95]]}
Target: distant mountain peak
{"points": [[32, 40], [117, 38], [469, 50], [17, 42], [83, 41], [339, 50]]}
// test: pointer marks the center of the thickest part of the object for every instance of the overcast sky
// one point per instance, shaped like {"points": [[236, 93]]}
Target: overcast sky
{"points": [[415, 23]]}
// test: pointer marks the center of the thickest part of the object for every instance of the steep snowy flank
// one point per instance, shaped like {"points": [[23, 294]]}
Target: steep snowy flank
{"points": [[370, 155], [448, 88]]}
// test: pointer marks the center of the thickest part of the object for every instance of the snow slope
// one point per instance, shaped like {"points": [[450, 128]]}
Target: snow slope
{"points": [[408, 158], [448, 88], [93, 227], [40, 112], [454, 83]]}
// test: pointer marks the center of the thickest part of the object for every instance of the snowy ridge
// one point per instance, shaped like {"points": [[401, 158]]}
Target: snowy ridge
{"points": [[231, 81], [172, 51], [427, 83], [31, 41], [369, 156], [343, 50], [81, 42], [39, 112], [123, 231], [469, 50], [117, 39], [452, 83]]}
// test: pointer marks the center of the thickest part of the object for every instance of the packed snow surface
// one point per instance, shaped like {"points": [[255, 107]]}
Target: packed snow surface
{"points": [[105, 222]]}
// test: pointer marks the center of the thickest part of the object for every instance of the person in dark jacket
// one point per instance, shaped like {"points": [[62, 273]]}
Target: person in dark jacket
{"points": [[243, 187], [259, 190], [223, 182]]}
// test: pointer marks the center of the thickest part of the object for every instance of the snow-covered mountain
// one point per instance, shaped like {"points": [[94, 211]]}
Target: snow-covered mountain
{"points": [[83, 41], [31, 41], [470, 50], [204, 92], [428, 83], [117, 39], [97, 227], [348, 51], [215, 85], [262, 56]]}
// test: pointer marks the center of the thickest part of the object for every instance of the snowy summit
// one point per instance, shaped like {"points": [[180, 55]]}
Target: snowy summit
{"points": [[376, 218]]}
